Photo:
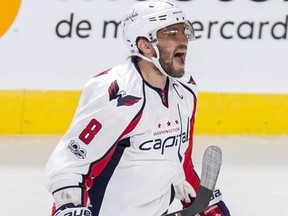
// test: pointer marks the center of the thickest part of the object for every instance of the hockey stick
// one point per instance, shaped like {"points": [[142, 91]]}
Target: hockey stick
{"points": [[211, 164]]}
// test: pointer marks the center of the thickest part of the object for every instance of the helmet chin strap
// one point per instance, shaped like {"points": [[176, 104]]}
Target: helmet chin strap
{"points": [[154, 60]]}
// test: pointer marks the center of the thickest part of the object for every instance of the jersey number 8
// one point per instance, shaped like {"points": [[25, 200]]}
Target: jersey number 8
{"points": [[90, 131]]}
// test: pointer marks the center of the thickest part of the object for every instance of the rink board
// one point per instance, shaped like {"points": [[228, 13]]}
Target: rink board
{"points": [[50, 112]]}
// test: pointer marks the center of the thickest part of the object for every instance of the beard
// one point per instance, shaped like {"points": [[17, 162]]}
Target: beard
{"points": [[167, 63]]}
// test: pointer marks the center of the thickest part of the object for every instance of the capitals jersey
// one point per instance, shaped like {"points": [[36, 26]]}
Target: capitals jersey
{"points": [[128, 143]]}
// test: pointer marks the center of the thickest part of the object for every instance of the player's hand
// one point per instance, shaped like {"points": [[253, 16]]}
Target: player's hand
{"points": [[184, 192], [218, 209], [71, 209], [216, 206]]}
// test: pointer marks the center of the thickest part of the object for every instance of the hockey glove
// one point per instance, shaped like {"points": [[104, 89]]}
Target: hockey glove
{"points": [[184, 192], [68, 202], [216, 206], [71, 209]]}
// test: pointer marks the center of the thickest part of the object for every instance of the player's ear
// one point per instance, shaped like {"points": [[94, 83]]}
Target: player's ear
{"points": [[145, 46]]}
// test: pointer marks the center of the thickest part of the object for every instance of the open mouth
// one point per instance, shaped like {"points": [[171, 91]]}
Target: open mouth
{"points": [[179, 57]]}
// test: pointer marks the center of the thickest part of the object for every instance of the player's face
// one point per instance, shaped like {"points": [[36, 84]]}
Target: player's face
{"points": [[172, 44]]}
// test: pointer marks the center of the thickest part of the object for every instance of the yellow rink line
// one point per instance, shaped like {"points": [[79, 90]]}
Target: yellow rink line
{"points": [[50, 112]]}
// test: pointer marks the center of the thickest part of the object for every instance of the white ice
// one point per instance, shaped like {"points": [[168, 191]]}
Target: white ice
{"points": [[253, 178]]}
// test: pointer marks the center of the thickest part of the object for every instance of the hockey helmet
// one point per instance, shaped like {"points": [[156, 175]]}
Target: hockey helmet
{"points": [[144, 19]]}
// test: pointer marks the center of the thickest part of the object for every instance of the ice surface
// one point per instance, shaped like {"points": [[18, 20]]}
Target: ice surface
{"points": [[253, 178]]}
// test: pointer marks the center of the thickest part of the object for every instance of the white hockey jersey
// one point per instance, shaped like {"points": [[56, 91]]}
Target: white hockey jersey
{"points": [[131, 140]]}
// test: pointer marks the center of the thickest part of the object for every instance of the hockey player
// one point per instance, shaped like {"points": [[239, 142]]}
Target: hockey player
{"points": [[128, 149]]}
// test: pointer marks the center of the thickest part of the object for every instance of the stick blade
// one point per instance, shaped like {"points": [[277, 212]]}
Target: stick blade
{"points": [[211, 165]]}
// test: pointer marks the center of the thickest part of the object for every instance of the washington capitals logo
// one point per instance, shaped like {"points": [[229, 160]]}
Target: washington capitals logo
{"points": [[131, 16], [122, 98]]}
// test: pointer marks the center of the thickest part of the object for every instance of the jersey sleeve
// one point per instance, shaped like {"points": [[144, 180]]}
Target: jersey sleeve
{"points": [[190, 174], [103, 117]]}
